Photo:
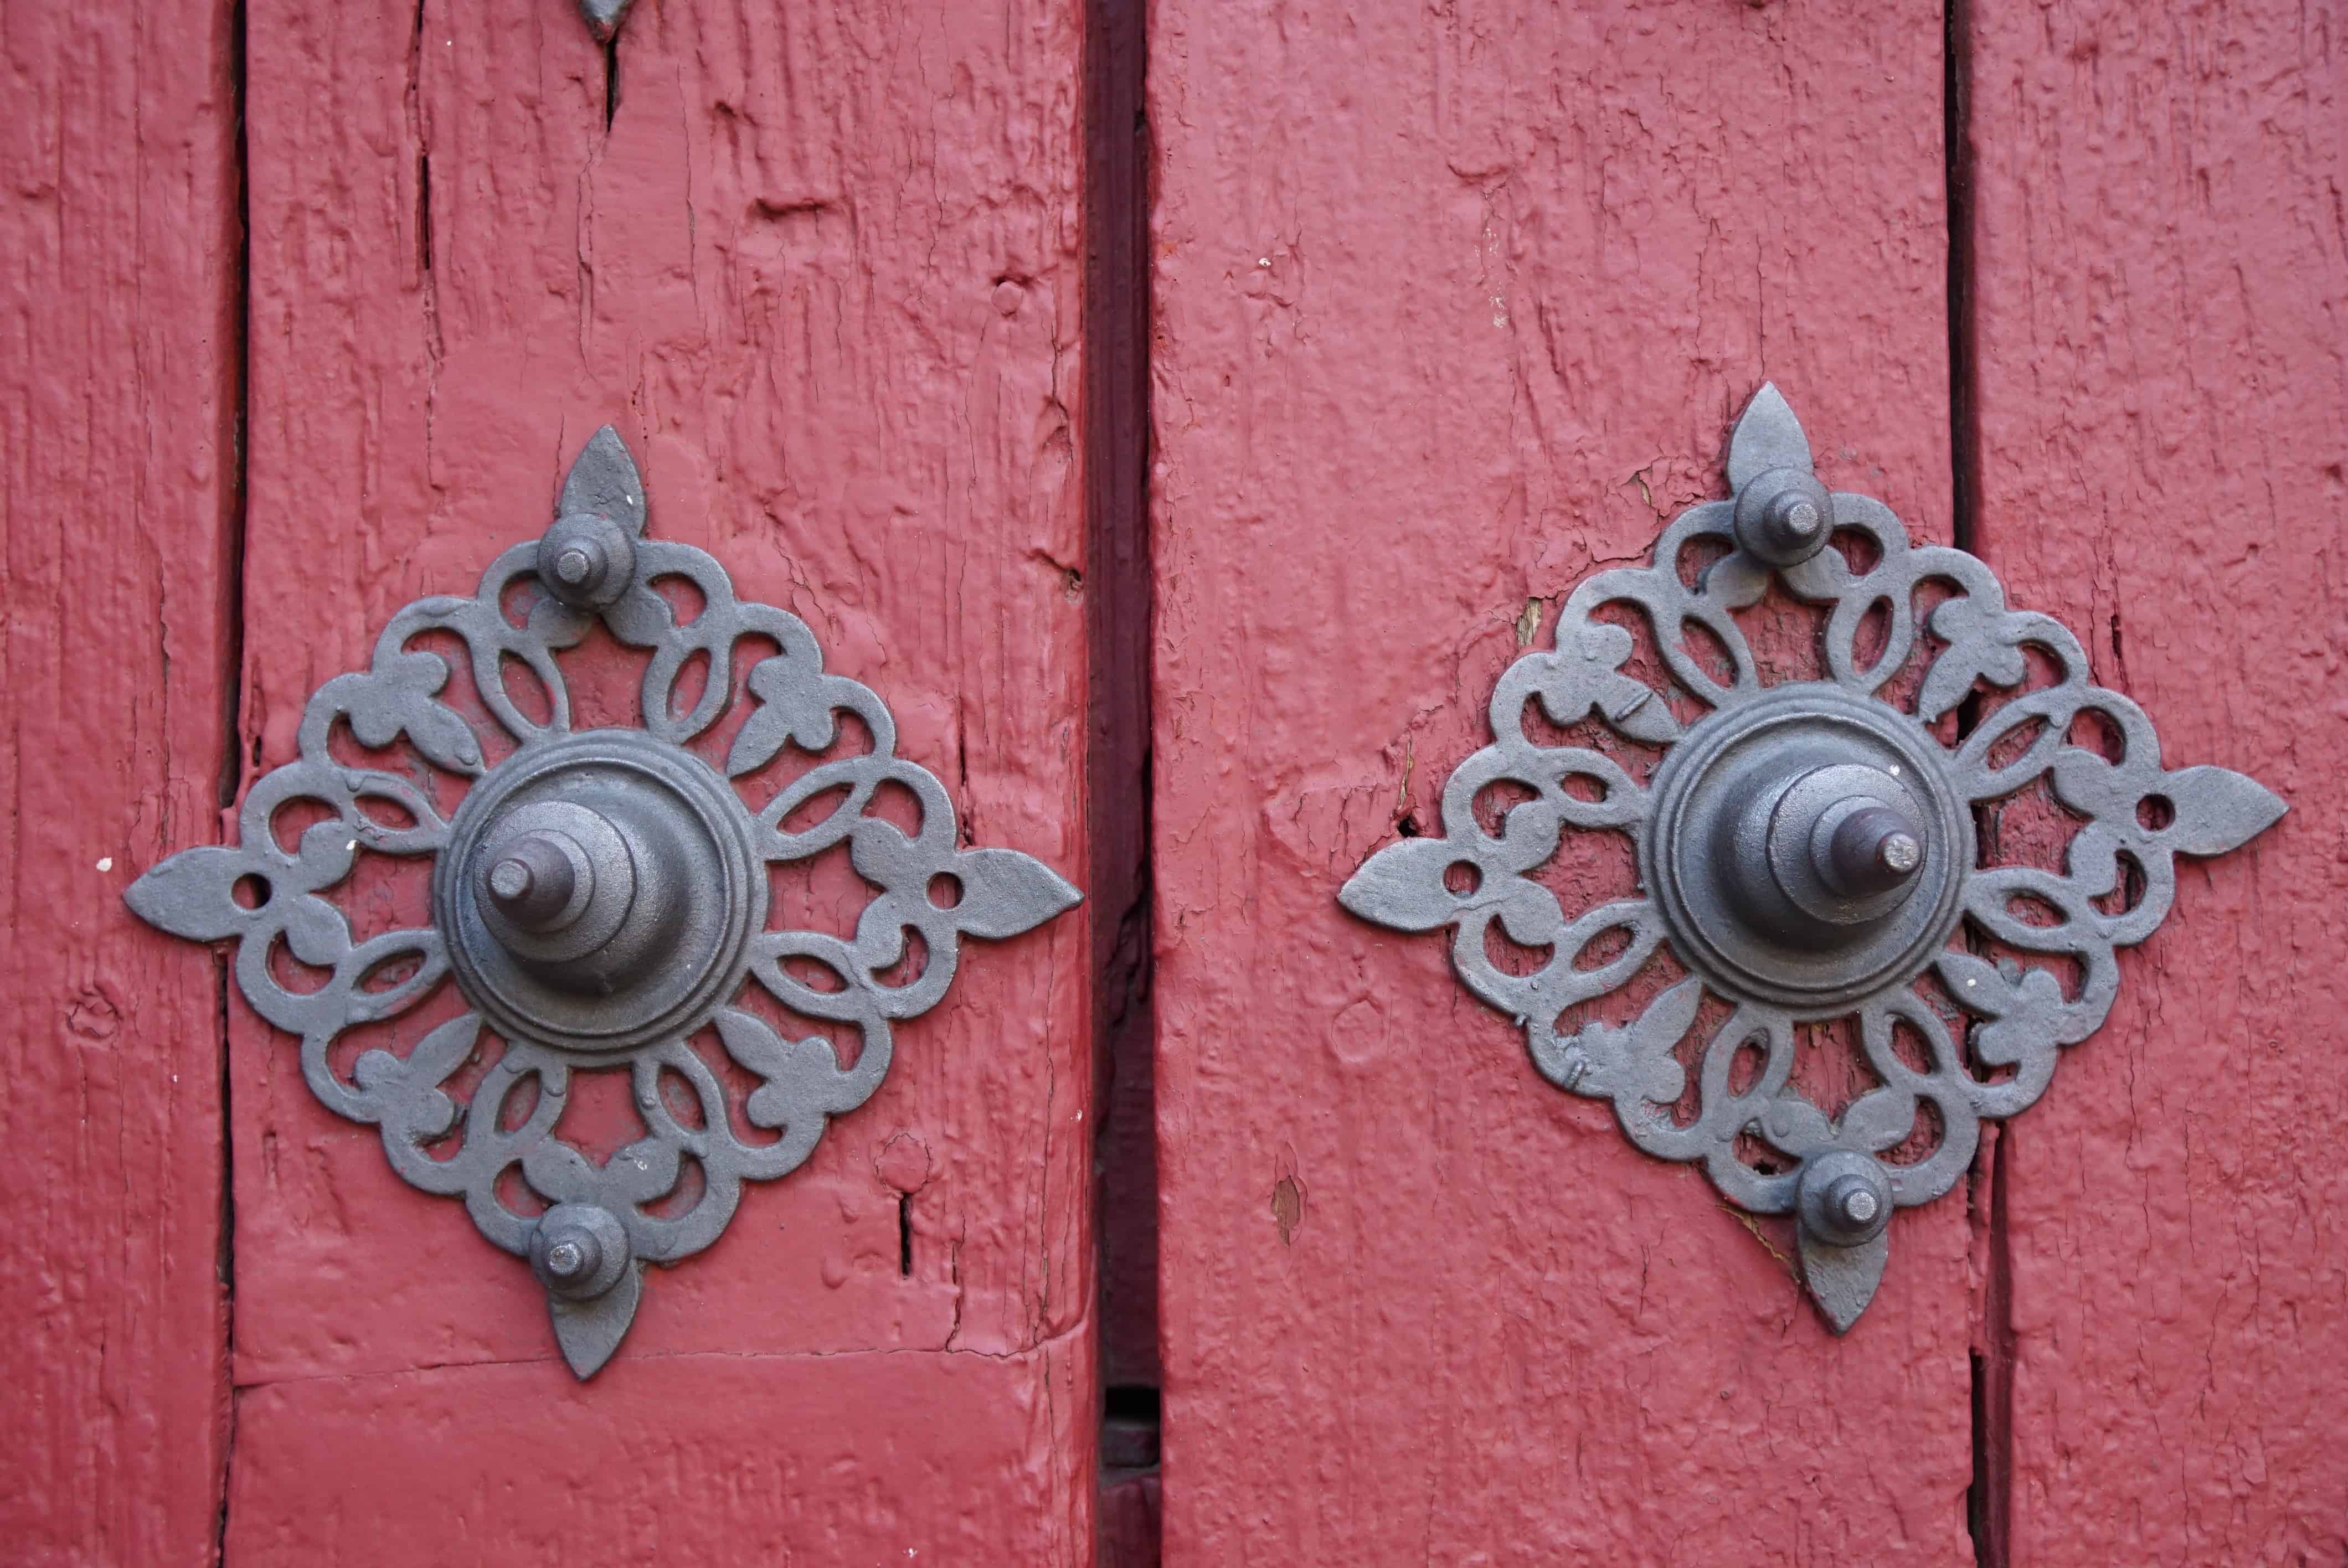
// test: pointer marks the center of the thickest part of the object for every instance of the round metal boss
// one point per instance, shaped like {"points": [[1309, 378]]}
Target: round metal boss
{"points": [[1752, 864], [662, 847]]}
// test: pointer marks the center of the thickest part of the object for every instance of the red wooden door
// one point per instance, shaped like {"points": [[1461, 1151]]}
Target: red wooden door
{"points": [[1453, 304], [311, 305], [307, 308]]}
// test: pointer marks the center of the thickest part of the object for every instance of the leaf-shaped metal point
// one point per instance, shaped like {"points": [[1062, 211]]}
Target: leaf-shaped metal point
{"points": [[1767, 437], [1842, 1279], [1401, 886], [1005, 893], [600, 895], [191, 894], [1805, 850], [603, 480], [2217, 810], [587, 1332]]}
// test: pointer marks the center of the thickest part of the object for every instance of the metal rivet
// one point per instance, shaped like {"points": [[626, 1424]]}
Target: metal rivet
{"points": [[1845, 1198], [1783, 516], [586, 559], [579, 1251], [1800, 519], [1856, 1205]]}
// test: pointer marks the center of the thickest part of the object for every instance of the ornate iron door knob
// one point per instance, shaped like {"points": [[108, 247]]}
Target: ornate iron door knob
{"points": [[1806, 850], [600, 898]]}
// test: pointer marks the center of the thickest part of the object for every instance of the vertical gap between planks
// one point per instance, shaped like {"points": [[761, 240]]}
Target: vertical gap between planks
{"points": [[611, 81], [1118, 576], [236, 240], [1987, 1500], [1964, 426], [235, 436]]}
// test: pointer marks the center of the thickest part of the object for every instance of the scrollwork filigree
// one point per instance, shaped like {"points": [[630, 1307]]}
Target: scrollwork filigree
{"points": [[2013, 1016], [260, 893]]}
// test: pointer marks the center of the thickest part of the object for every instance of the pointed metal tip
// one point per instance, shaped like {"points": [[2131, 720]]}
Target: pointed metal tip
{"points": [[1007, 893], [589, 1331], [191, 894], [1767, 437], [603, 17], [604, 481], [1842, 1279], [149, 899]]}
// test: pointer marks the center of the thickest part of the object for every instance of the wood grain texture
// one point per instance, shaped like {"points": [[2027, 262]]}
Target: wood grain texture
{"points": [[821, 270], [798, 1462], [1454, 305], [117, 377], [2161, 279]]}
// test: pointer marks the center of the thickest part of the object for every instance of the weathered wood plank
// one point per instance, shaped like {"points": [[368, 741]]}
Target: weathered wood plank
{"points": [[2162, 330], [1455, 304], [848, 1459], [821, 270], [118, 407]]}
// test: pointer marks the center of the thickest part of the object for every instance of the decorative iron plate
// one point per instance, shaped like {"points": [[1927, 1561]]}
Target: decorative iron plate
{"points": [[1991, 1026], [604, 1221]]}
